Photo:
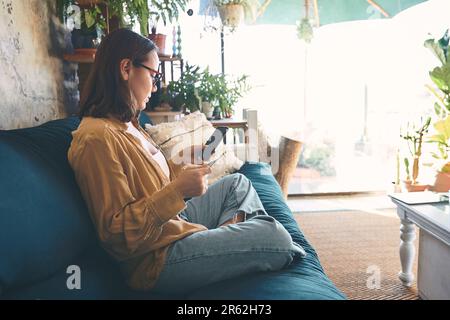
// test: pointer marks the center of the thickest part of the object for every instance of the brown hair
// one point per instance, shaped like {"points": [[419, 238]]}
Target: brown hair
{"points": [[105, 92]]}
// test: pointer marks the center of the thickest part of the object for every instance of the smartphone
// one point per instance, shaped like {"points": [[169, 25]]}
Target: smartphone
{"points": [[213, 142]]}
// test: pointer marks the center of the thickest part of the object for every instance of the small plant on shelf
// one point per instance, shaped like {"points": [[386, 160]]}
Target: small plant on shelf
{"points": [[185, 90], [197, 86], [85, 20]]}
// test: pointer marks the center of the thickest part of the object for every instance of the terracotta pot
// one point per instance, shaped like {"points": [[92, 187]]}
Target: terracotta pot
{"points": [[442, 182], [160, 40], [416, 187], [86, 52], [232, 15], [228, 115]]}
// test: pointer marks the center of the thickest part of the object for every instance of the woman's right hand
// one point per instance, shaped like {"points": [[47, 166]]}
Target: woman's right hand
{"points": [[191, 180]]}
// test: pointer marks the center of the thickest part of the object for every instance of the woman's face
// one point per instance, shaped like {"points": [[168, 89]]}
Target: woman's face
{"points": [[140, 79]]}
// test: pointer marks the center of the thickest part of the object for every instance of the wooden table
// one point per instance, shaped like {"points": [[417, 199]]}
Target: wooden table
{"points": [[234, 124]]}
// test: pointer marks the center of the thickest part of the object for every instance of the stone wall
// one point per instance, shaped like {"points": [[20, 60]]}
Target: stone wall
{"points": [[35, 84]]}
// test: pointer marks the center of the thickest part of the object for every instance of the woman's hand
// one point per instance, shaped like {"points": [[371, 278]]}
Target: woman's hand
{"points": [[191, 181]]}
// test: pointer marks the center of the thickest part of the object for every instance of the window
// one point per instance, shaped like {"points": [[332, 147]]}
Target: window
{"points": [[346, 94]]}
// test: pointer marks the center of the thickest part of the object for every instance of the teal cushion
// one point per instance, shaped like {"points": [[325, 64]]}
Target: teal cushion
{"points": [[44, 222], [100, 279]]}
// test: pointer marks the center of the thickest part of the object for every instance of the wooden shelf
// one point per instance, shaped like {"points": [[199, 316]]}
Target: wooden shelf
{"points": [[79, 58], [89, 58], [164, 58]]}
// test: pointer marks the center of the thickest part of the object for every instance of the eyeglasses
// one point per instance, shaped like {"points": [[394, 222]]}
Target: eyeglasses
{"points": [[156, 77]]}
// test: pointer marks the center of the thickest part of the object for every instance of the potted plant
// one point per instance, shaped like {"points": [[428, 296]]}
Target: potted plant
{"points": [[185, 90], [234, 12], [221, 92], [215, 91], [85, 21], [166, 11], [414, 136], [126, 13], [210, 88], [441, 78], [144, 10], [305, 30], [234, 90]]}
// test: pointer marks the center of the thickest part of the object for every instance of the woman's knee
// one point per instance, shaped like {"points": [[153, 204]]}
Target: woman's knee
{"points": [[267, 231], [276, 243]]}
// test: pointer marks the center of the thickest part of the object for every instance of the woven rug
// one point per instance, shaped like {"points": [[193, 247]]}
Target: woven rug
{"points": [[359, 252]]}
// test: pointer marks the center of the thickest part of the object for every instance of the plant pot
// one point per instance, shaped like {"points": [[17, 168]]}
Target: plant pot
{"points": [[227, 114], [232, 15], [442, 182], [217, 113], [83, 38], [160, 41], [207, 109], [89, 52], [416, 187]]}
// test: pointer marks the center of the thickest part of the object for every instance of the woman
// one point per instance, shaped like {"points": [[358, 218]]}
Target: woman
{"points": [[136, 196]]}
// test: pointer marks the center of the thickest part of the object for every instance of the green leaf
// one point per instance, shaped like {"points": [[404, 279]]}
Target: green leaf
{"points": [[435, 156], [441, 77], [436, 49], [437, 138], [89, 18], [442, 127], [443, 43], [437, 109]]}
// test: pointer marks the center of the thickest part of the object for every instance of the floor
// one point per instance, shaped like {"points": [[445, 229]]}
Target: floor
{"points": [[359, 251], [355, 236], [364, 202]]}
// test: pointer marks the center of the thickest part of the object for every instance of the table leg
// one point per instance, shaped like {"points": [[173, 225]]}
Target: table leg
{"points": [[407, 251]]}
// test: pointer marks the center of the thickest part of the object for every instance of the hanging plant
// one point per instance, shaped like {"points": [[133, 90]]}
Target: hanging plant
{"points": [[233, 13], [305, 30]]}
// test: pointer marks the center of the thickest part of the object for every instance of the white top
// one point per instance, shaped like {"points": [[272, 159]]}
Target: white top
{"points": [[156, 154]]}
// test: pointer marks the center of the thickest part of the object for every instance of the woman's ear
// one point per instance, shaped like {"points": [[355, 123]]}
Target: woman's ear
{"points": [[125, 66]]}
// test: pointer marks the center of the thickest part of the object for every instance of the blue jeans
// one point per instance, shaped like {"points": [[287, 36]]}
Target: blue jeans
{"points": [[260, 243]]}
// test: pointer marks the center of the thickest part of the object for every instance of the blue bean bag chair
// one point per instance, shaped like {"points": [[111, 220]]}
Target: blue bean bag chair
{"points": [[46, 231]]}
